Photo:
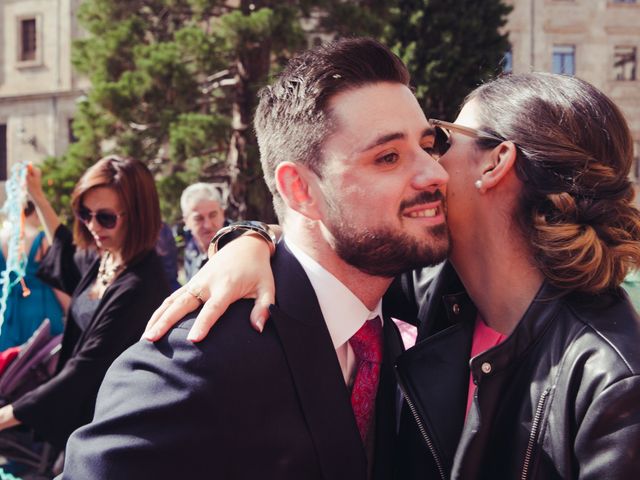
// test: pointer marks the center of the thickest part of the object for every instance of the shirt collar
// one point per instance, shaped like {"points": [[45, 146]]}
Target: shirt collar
{"points": [[343, 312]]}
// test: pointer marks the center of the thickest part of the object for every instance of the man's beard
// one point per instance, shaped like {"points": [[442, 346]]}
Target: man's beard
{"points": [[384, 252]]}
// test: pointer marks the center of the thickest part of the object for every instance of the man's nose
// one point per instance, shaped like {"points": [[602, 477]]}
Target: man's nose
{"points": [[207, 223], [429, 173]]}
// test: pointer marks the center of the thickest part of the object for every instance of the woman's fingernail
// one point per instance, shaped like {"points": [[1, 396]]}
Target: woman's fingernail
{"points": [[150, 334]]}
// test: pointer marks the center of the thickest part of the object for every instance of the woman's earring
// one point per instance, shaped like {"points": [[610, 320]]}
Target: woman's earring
{"points": [[478, 184]]}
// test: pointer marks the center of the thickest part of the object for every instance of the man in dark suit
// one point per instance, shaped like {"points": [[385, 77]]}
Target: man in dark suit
{"points": [[314, 396]]}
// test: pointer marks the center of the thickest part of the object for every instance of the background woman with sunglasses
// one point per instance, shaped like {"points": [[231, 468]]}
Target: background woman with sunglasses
{"points": [[116, 280]]}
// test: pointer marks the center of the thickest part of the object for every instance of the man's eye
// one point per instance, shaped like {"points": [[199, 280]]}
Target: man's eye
{"points": [[388, 159]]}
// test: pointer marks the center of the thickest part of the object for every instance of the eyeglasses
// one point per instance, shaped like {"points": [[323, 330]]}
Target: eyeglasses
{"points": [[443, 133], [105, 218]]}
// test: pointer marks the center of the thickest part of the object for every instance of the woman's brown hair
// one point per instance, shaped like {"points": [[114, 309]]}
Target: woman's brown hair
{"points": [[574, 154], [134, 184]]}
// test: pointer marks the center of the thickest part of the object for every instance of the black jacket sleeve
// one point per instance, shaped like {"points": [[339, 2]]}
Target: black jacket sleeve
{"points": [[66, 402], [607, 443], [63, 266]]}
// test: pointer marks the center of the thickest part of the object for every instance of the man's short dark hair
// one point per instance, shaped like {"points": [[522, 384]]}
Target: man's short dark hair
{"points": [[292, 120]]}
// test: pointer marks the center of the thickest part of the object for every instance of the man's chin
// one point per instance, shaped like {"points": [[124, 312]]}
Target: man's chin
{"points": [[390, 255]]}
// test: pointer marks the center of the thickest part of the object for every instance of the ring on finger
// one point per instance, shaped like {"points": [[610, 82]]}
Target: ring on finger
{"points": [[197, 294]]}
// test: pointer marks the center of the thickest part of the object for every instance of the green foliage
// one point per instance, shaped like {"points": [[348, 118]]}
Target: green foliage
{"points": [[449, 46], [174, 82], [361, 17], [194, 134]]}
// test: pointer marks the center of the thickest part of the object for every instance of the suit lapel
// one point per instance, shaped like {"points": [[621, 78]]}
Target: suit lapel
{"points": [[324, 398]]}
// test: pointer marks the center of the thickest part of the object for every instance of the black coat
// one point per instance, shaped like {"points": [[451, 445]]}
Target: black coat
{"points": [[66, 402], [559, 398], [238, 405]]}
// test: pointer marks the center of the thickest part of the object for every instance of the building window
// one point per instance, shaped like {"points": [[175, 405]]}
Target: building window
{"points": [[28, 42], [564, 59], [507, 62], [624, 63], [3, 152]]}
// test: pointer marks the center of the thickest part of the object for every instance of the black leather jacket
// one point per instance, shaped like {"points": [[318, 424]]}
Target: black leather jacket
{"points": [[559, 398]]}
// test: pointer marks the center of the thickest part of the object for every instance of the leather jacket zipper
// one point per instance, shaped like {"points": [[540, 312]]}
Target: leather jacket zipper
{"points": [[535, 426], [423, 430]]}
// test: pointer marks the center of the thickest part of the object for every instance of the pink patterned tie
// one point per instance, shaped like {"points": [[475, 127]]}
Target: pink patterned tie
{"points": [[367, 346]]}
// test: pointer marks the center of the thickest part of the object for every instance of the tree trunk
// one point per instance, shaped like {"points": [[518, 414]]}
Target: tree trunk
{"points": [[248, 195]]}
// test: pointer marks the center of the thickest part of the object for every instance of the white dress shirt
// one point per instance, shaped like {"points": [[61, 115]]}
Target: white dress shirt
{"points": [[343, 312]]}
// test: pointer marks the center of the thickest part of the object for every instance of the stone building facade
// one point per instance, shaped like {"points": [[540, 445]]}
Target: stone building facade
{"points": [[38, 88], [596, 40]]}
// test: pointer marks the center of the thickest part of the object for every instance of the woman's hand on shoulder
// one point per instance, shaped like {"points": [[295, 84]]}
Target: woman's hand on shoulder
{"points": [[242, 269]]}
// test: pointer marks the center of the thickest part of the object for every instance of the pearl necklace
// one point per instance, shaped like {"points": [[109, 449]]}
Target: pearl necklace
{"points": [[106, 274]]}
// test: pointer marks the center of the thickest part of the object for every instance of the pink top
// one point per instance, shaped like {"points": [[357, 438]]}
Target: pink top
{"points": [[484, 338]]}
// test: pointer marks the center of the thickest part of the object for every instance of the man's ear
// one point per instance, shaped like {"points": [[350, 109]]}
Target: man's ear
{"points": [[298, 188], [497, 165]]}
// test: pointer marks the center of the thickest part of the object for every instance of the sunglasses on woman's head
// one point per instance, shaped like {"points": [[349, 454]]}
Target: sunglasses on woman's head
{"points": [[105, 218], [443, 133]]}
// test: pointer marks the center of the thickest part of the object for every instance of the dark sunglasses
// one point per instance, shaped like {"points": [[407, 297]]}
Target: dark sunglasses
{"points": [[443, 134], [105, 218]]}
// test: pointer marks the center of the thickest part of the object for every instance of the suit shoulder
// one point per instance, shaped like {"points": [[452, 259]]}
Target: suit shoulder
{"points": [[237, 311], [231, 339]]}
